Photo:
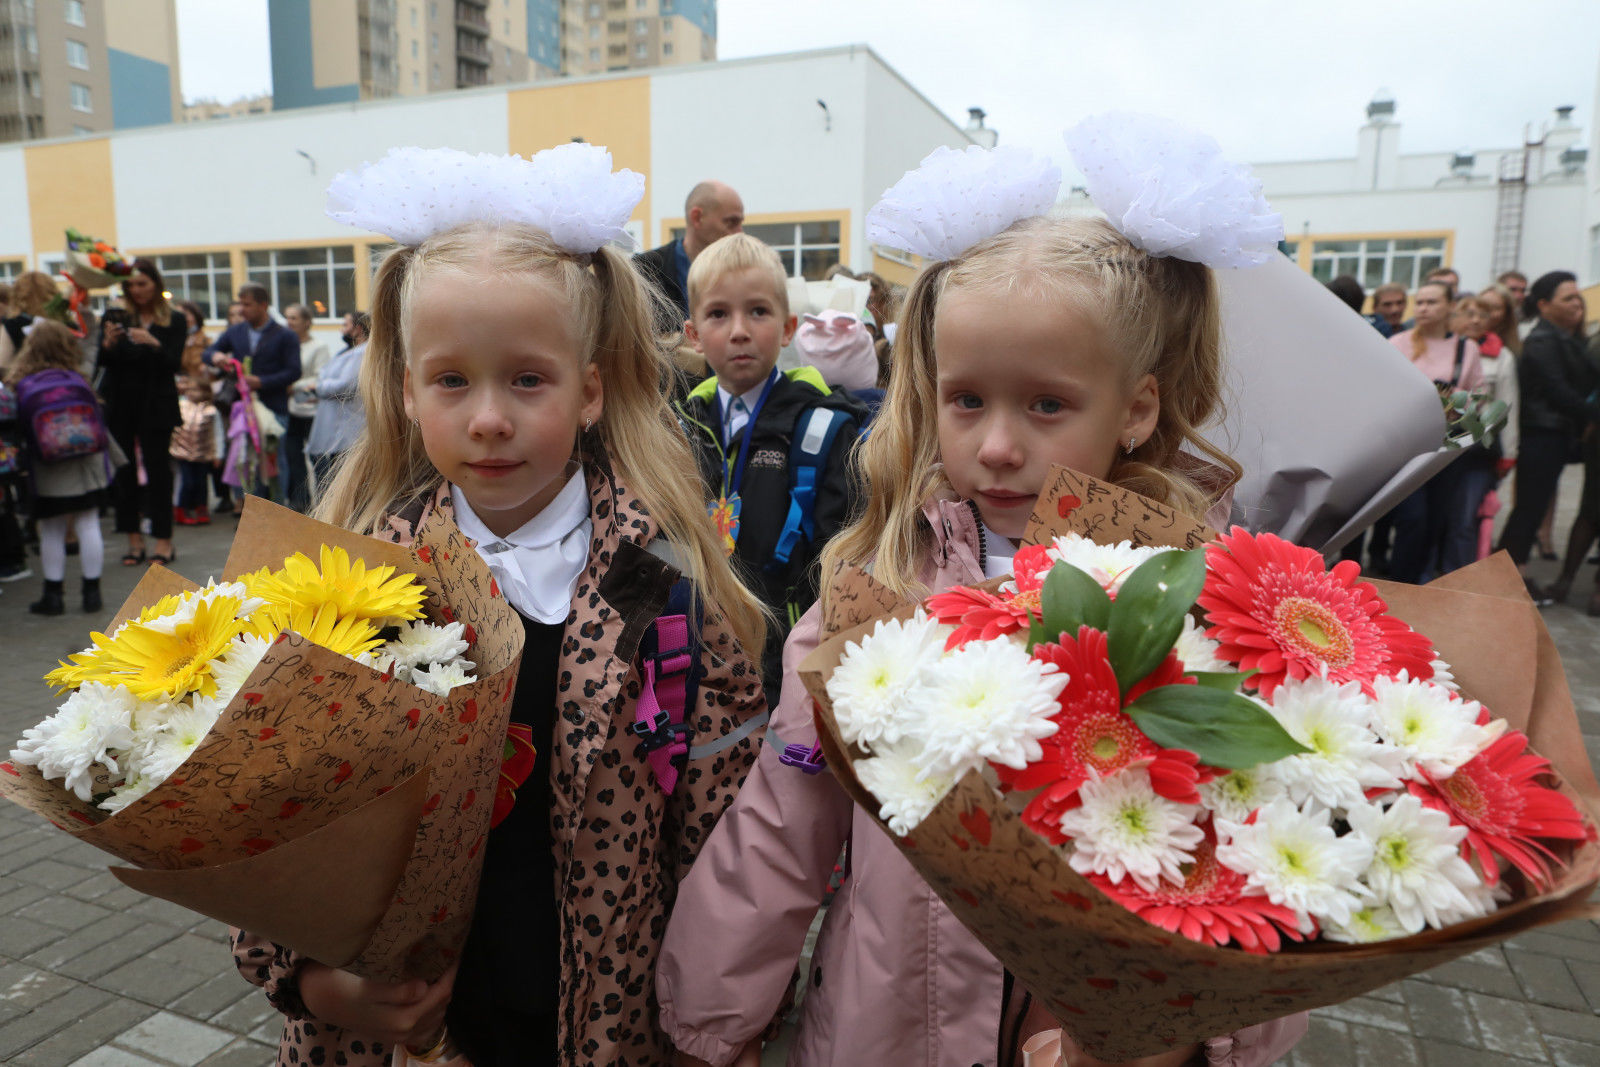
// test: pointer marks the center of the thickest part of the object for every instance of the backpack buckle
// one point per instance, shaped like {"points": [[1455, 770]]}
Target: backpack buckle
{"points": [[808, 759], [658, 732]]}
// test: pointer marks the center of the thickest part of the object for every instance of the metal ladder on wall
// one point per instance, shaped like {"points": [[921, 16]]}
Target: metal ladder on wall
{"points": [[1510, 203]]}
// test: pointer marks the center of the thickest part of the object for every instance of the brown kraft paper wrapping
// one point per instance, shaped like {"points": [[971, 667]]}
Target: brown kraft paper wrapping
{"points": [[1124, 988], [297, 773]]}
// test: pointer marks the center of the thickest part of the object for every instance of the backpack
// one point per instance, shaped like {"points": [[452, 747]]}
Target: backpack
{"points": [[61, 415], [9, 458], [808, 455]]}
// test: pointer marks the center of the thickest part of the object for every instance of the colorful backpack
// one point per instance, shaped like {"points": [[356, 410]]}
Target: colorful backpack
{"points": [[61, 415], [10, 460]]}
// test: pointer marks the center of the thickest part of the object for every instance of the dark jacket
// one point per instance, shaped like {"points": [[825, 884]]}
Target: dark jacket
{"points": [[139, 384], [792, 588], [660, 267], [1557, 382], [275, 359]]}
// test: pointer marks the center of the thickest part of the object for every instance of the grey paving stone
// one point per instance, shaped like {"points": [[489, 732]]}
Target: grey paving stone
{"points": [[1326, 1044], [213, 996], [84, 1036], [1504, 1025], [248, 1014], [53, 874], [1564, 1052], [1368, 1011], [172, 1037], [1440, 1054], [1582, 1026], [49, 1018], [63, 911], [94, 935], [15, 895], [1439, 1012], [196, 953], [243, 1053], [164, 911], [1546, 980], [115, 1057], [1587, 975], [27, 987], [18, 937], [114, 953], [1553, 941], [151, 980], [1477, 977], [1375, 1047]]}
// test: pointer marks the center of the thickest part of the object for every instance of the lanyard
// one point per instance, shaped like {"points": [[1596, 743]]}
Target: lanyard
{"points": [[732, 488]]}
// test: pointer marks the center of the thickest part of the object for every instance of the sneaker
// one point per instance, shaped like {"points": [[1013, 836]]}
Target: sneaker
{"points": [[12, 572], [1541, 597]]}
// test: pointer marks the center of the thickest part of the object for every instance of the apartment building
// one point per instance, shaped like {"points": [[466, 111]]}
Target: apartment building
{"points": [[334, 51], [87, 66]]}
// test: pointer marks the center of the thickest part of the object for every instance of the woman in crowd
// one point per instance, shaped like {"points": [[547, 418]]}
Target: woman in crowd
{"points": [[314, 355], [141, 351], [1475, 472], [339, 418], [1557, 407], [1451, 362]]}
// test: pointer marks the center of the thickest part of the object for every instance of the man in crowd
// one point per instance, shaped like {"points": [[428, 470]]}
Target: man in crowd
{"points": [[1517, 283], [711, 212], [1449, 276], [269, 351], [1388, 308]]}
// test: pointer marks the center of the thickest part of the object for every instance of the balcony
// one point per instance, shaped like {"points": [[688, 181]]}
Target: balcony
{"points": [[472, 18], [473, 50], [469, 76]]}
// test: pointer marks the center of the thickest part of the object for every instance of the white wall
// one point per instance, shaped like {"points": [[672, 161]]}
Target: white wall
{"points": [[244, 181], [16, 231]]}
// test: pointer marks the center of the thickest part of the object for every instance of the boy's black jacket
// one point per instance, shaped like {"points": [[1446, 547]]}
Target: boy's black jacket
{"points": [[791, 589]]}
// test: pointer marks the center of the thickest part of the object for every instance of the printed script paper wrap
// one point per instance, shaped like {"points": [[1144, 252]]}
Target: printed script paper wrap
{"points": [[330, 809], [1124, 988]]}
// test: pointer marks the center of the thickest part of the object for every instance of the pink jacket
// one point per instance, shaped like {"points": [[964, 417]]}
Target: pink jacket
{"points": [[895, 977]]}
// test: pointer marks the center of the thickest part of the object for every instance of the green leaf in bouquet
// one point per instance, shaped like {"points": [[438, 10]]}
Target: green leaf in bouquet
{"points": [[1223, 729], [1070, 599], [1147, 616], [1037, 634], [1225, 681]]}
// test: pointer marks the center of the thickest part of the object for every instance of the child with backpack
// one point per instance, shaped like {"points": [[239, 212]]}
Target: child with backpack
{"points": [[69, 456], [198, 444], [512, 387], [774, 446]]}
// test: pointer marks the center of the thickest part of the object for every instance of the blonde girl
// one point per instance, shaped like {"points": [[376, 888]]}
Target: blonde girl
{"points": [[1056, 341], [512, 386]]}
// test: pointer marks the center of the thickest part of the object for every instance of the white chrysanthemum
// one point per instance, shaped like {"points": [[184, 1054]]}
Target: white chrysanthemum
{"points": [[423, 643], [1236, 794], [1443, 675], [1123, 828], [233, 667], [872, 686], [189, 603], [381, 661], [988, 700], [135, 786], [1432, 727], [1375, 922], [1346, 757], [163, 749], [91, 724], [1197, 652], [443, 677], [1109, 565], [1293, 856], [905, 792], [1416, 865]]}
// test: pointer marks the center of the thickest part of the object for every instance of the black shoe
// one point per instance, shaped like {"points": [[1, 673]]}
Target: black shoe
{"points": [[91, 595], [1540, 596], [51, 602]]}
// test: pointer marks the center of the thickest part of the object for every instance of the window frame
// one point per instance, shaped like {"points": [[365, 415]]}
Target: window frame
{"points": [[339, 267], [82, 51], [180, 279], [74, 8], [86, 106], [1331, 255], [793, 253]]}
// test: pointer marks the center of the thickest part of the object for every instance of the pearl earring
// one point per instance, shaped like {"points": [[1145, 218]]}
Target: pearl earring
{"points": [[1131, 442]]}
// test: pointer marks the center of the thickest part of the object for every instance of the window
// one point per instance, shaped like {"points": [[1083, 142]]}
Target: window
{"points": [[433, 10], [81, 100], [77, 55], [666, 25], [74, 13], [434, 81], [594, 11], [807, 249], [322, 278], [204, 277], [10, 268], [413, 17], [1594, 249], [416, 46], [30, 83], [1374, 261], [641, 26], [416, 80], [666, 48], [433, 42], [1290, 248], [641, 50], [641, 4], [30, 40], [594, 55], [79, 131], [594, 30], [376, 254]]}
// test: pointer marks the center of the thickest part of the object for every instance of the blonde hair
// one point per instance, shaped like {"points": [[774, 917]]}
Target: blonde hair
{"points": [[733, 253], [1162, 315], [31, 291], [49, 346], [1505, 326], [612, 312]]}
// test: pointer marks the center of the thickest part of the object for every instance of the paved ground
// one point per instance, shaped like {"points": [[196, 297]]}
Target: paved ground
{"points": [[92, 973]]}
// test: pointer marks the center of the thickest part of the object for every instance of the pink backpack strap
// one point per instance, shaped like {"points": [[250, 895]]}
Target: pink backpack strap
{"points": [[659, 719]]}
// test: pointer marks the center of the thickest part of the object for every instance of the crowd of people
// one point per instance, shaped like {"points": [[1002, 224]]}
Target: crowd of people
{"points": [[1521, 349]]}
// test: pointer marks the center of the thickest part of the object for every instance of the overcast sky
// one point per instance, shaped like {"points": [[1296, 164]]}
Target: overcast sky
{"points": [[1271, 79]]}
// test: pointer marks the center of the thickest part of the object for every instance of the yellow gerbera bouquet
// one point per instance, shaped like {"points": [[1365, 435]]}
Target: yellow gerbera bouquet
{"points": [[332, 710]]}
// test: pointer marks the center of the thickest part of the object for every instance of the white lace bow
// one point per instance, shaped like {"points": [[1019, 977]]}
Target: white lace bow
{"points": [[570, 192], [956, 198]]}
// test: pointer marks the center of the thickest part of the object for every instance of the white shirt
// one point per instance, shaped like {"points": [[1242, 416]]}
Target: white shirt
{"points": [[998, 552], [538, 564], [736, 415]]}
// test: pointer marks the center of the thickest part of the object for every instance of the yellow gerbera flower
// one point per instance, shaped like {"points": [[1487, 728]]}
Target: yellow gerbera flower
{"points": [[154, 663], [346, 635], [343, 584]]}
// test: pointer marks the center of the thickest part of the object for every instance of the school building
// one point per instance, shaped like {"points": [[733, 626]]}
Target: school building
{"points": [[810, 140]]}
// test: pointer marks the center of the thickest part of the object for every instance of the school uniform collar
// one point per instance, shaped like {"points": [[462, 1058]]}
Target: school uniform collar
{"points": [[725, 401], [538, 564]]}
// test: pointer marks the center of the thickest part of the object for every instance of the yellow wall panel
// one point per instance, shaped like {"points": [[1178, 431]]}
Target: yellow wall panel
{"points": [[335, 44], [69, 184], [615, 114]]}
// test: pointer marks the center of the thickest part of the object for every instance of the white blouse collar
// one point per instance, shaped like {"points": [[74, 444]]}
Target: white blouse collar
{"points": [[538, 564]]}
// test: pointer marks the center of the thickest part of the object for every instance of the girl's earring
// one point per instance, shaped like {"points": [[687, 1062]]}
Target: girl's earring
{"points": [[1131, 442], [586, 424]]}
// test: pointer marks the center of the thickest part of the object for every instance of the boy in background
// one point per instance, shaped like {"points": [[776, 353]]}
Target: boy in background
{"points": [[773, 447]]}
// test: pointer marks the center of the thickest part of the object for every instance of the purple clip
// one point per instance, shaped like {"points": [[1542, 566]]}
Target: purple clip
{"points": [[805, 758]]}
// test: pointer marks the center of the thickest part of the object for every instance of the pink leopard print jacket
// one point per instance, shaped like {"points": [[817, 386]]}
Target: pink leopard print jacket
{"points": [[622, 847]]}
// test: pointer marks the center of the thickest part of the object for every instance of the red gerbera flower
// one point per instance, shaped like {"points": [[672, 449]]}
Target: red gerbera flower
{"points": [[980, 616], [1029, 567], [1209, 907], [1276, 611], [1096, 738], [1495, 796]]}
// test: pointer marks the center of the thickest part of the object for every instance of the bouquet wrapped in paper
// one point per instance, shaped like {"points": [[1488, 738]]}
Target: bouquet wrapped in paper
{"points": [[1181, 784], [333, 712], [92, 263]]}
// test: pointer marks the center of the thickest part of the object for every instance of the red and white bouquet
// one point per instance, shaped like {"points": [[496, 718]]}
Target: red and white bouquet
{"points": [[1295, 762], [1180, 783]]}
